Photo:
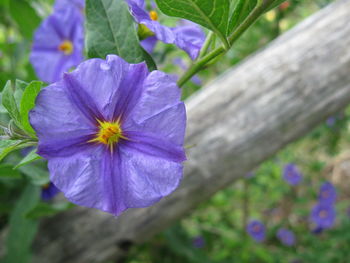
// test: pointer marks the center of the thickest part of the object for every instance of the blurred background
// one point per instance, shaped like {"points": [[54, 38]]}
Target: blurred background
{"points": [[268, 216]]}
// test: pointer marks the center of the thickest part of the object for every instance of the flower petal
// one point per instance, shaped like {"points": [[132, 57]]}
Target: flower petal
{"points": [[160, 92], [190, 38], [147, 178], [154, 145], [54, 118]]}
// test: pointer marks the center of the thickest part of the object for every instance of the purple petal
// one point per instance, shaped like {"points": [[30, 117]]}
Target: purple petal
{"points": [[54, 117], [160, 92], [80, 178], [81, 99], [154, 145], [190, 39], [62, 4], [149, 44], [147, 178], [169, 124]]}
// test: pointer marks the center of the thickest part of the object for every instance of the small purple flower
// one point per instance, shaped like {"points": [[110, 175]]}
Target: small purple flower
{"points": [[49, 191], [58, 44], [291, 174], [327, 193], [323, 215], [188, 37], [256, 230], [113, 134], [286, 236], [331, 121], [198, 242]]}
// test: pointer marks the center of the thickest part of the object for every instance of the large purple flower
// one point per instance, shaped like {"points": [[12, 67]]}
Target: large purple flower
{"points": [[291, 174], [256, 230], [113, 134], [323, 215], [286, 236], [188, 37], [327, 193], [58, 44]]}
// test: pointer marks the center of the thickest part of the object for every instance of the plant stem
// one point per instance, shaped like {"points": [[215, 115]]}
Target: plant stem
{"points": [[198, 65], [206, 44]]}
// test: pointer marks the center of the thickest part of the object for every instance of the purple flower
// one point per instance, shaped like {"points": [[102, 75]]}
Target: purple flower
{"points": [[327, 193], [49, 191], [291, 174], [331, 121], [323, 215], [63, 4], [58, 44], [198, 242], [113, 134], [286, 236], [188, 37], [256, 230]]}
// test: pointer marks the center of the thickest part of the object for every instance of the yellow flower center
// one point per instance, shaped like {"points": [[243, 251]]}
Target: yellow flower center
{"points": [[66, 47], [153, 15], [109, 133]]}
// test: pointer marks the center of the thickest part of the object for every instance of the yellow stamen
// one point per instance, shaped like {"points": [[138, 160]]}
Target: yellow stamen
{"points": [[153, 15], [66, 47], [109, 133]]}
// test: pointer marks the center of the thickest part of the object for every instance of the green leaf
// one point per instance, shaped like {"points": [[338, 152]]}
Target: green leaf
{"points": [[25, 16], [47, 210], [9, 102], [21, 229], [7, 171], [36, 174], [212, 14], [28, 103], [110, 29], [31, 157], [7, 146], [241, 10]]}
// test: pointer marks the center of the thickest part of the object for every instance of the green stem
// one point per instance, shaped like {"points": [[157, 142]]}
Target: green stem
{"points": [[206, 44], [197, 66]]}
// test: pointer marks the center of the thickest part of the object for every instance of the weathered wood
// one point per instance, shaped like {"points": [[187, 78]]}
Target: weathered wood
{"points": [[235, 123]]}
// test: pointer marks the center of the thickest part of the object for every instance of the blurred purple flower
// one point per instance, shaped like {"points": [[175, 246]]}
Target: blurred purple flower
{"points": [[195, 79], [256, 230], [327, 193], [286, 236], [189, 37], [331, 121], [116, 146], [250, 175], [323, 215], [49, 191], [291, 174], [63, 4], [58, 44], [198, 242]]}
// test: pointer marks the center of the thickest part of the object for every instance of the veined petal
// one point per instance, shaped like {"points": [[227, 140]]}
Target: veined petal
{"points": [[149, 44], [159, 93], [154, 145], [79, 177], [147, 178], [54, 116], [190, 38]]}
